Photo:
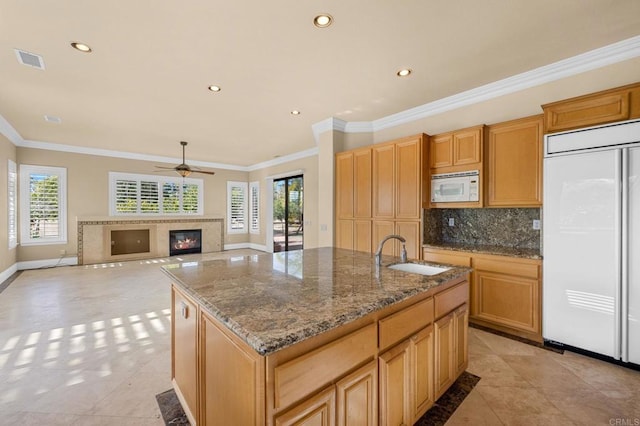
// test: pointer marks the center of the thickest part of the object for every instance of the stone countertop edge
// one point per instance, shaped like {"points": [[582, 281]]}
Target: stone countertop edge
{"points": [[524, 253], [355, 291]]}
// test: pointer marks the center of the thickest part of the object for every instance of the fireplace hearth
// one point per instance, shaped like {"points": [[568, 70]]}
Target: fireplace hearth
{"points": [[185, 241]]}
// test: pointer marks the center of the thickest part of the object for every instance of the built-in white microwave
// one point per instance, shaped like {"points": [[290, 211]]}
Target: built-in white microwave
{"points": [[455, 187]]}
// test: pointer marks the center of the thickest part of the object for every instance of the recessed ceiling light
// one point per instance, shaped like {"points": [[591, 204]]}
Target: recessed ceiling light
{"points": [[81, 47], [295, 112], [214, 88], [403, 72], [323, 20]]}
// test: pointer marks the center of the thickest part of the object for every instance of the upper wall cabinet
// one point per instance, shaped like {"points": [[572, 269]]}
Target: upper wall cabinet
{"points": [[514, 163], [454, 151], [353, 184], [617, 104]]}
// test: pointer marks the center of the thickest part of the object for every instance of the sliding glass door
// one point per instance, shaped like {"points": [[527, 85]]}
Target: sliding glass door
{"points": [[288, 214]]}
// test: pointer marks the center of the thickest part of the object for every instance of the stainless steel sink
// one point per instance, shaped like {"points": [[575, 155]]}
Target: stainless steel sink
{"points": [[418, 268]]}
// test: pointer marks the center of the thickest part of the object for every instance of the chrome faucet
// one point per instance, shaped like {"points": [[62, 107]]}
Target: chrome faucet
{"points": [[403, 253]]}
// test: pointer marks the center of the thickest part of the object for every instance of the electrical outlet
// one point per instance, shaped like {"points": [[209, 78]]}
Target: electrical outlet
{"points": [[452, 221], [323, 227], [536, 224]]}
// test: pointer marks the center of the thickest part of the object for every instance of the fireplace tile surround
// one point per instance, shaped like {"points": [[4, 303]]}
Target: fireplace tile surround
{"points": [[94, 236]]}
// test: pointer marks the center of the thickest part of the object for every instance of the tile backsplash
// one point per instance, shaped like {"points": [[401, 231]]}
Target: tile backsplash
{"points": [[509, 227]]}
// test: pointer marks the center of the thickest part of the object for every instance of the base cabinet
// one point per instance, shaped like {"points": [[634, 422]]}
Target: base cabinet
{"points": [[380, 370]]}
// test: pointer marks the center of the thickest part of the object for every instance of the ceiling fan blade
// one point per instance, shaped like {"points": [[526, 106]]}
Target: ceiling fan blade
{"points": [[165, 168], [204, 171]]}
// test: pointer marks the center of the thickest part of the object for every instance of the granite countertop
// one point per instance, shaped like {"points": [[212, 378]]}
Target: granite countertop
{"points": [[272, 301], [525, 253]]}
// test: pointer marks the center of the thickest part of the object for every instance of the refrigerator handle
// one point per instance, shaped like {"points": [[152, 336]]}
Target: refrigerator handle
{"points": [[624, 263]]}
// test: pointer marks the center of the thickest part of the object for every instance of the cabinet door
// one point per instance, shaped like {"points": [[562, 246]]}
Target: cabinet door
{"points": [[411, 232], [344, 234], [383, 181], [441, 151], [344, 185], [585, 111], [507, 300], [514, 166], [240, 401], [461, 321], [357, 397], [184, 341], [408, 179], [395, 386], [362, 183], [362, 235], [422, 377], [444, 353], [317, 411], [467, 146]]}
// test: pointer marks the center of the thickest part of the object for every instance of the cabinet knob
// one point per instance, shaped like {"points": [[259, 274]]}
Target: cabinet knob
{"points": [[184, 310]]}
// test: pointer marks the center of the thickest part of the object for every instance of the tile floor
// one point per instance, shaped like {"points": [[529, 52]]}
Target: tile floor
{"points": [[90, 345]]}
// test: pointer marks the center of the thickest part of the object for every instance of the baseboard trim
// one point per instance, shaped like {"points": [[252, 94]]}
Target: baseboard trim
{"points": [[6, 274], [253, 246], [47, 263]]}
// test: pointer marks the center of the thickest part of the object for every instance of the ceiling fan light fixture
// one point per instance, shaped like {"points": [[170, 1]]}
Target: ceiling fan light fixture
{"points": [[323, 20], [84, 48], [184, 173]]}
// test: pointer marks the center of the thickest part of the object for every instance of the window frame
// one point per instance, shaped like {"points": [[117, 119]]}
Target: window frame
{"points": [[254, 208], [160, 181], [245, 216], [12, 204], [26, 170]]}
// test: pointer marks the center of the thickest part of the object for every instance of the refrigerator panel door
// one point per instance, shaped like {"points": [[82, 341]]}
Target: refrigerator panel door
{"points": [[582, 251], [633, 324]]}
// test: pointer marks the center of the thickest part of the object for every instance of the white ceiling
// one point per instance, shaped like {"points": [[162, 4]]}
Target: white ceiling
{"points": [[144, 86]]}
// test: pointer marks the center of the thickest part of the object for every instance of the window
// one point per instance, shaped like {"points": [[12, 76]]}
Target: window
{"points": [[43, 215], [236, 207], [254, 208], [147, 195], [12, 199]]}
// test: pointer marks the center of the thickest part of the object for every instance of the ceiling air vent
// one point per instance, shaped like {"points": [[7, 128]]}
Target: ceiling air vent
{"points": [[30, 59], [52, 119]]}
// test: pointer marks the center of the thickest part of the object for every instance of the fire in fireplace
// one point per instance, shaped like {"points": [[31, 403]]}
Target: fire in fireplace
{"points": [[185, 241]]}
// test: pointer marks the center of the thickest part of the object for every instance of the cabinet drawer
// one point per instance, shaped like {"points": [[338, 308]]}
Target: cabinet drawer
{"points": [[302, 375], [508, 266], [450, 258], [402, 324], [450, 299]]}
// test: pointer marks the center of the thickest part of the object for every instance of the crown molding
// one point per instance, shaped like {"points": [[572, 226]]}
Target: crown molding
{"points": [[284, 159], [9, 132], [597, 58]]}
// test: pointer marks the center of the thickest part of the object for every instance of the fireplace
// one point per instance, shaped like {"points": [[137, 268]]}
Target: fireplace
{"points": [[185, 241]]}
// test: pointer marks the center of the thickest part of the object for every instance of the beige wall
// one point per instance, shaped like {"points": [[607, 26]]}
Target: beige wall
{"points": [[309, 167], [88, 187], [7, 257]]}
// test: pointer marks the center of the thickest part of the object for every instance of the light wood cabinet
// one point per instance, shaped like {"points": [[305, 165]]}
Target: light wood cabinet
{"points": [[317, 411], [378, 370], [505, 292], [461, 330], [357, 397], [225, 360], [514, 163], [381, 184], [449, 151], [444, 339], [621, 103], [184, 344], [395, 385], [506, 295]]}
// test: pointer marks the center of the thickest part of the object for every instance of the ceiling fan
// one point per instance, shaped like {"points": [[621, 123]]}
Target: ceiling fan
{"points": [[184, 169]]}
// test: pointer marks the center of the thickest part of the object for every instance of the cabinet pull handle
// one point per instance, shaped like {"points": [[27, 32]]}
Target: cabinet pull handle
{"points": [[184, 310]]}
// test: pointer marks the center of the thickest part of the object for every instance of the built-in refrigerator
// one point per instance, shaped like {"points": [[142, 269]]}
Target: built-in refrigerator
{"points": [[591, 240]]}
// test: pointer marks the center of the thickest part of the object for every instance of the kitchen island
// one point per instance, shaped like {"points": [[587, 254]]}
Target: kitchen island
{"points": [[320, 335]]}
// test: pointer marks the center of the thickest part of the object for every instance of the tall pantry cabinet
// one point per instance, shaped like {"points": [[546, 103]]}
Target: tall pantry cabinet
{"points": [[379, 192]]}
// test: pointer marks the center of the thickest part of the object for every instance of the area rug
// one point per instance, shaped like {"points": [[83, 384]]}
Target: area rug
{"points": [[173, 414]]}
